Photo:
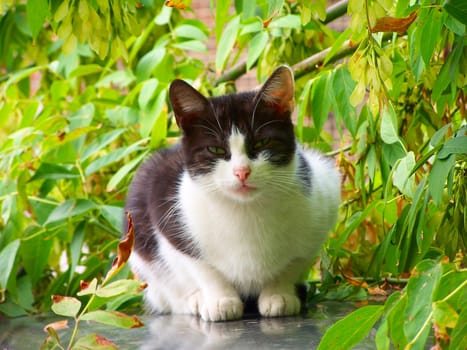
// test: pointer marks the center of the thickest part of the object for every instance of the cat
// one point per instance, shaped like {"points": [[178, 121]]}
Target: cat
{"points": [[235, 210]]}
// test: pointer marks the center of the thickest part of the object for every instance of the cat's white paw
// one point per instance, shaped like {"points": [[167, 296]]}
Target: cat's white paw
{"points": [[275, 305], [221, 309]]}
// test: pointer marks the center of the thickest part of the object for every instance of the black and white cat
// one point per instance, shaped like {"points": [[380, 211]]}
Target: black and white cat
{"points": [[235, 210]]}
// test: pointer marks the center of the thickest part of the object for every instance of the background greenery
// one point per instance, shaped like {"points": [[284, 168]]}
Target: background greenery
{"points": [[84, 100]]}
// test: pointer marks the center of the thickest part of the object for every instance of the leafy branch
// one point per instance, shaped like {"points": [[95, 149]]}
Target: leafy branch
{"points": [[99, 294]]}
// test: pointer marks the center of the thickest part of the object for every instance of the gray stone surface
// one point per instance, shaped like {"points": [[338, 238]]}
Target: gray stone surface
{"points": [[186, 332]]}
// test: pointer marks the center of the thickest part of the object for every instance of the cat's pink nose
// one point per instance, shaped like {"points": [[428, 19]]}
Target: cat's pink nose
{"points": [[242, 173]]}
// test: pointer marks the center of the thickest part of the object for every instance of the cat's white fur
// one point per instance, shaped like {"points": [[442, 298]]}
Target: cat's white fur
{"points": [[257, 241]]}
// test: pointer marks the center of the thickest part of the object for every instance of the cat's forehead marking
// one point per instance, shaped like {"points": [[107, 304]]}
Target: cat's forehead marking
{"points": [[236, 141]]}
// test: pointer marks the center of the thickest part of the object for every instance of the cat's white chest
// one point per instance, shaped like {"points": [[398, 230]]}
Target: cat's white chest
{"points": [[249, 243]]}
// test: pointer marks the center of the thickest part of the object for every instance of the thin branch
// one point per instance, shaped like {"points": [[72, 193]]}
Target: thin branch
{"points": [[314, 62], [335, 11]]}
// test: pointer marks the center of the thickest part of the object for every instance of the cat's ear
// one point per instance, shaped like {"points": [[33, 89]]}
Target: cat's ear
{"points": [[187, 103], [278, 91]]}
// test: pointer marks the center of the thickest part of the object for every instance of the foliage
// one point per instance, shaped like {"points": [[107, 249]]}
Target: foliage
{"points": [[98, 295], [435, 298], [82, 105]]}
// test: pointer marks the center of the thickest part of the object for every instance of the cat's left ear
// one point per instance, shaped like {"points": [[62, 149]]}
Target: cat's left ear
{"points": [[187, 103], [278, 91]]}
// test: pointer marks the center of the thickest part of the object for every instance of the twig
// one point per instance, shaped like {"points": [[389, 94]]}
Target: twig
{"points": [[313, 62], [335, 11]]}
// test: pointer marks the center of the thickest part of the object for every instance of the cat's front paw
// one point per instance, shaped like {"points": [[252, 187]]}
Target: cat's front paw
{"points": [[276, 305], [222, 309]]}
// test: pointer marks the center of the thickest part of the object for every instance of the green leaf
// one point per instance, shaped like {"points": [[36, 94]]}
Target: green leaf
{"points": [[164, 16], [69, 209], [37, 11], [439, 135], [7, 260], [86, 69], [256, 47], [303, 103], [455, 145], [274, 7], [35, 253], [75, 247], [113, 318], [337, 45], [52, 171], [343, 86], [420, 289], [320, 100], [191, 45], [430, 33], [351, 330], [403, 179], [65, 306], [190, 32], [457, 9], [459, 333], [100, 142], [226, 43], [159, 131], [123, 172], [248, 9], [287, 21], [396, 323], [389, 130], [112, 157], [120, 287], [147, 92], [222, 13], [437, 176], [150, 115], [113, 215], [94, 341], [120, 78]]}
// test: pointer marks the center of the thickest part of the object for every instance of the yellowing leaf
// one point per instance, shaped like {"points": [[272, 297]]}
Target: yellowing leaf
{"points": [[65, 306], [94, 341], [113, 318]]}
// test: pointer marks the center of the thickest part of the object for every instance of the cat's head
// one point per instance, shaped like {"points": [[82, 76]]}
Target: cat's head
{"points": [[240, 145]]}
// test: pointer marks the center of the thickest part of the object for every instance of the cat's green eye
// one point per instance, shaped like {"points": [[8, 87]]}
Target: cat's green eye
{"points": [[262, 143], [218, 151]]}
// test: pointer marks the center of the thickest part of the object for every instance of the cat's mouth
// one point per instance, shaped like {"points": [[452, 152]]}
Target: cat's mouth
{"points": [[245, 189]]}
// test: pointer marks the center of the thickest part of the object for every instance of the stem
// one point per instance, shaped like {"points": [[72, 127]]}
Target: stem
{"points": [[337, 151], [74, 334], [312, 63]]}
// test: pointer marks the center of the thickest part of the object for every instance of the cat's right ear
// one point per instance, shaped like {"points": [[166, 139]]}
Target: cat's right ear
{"points": [[187, 103]]}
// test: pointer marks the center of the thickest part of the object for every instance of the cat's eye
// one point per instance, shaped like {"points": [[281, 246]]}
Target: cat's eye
{"points": [[262, 143], [218, 151]]}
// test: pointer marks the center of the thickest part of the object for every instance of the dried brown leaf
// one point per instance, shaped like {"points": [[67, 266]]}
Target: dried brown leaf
{"points": [[125, 247], [62, 324], [178, 4], [377, 291], [392, 24]]}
